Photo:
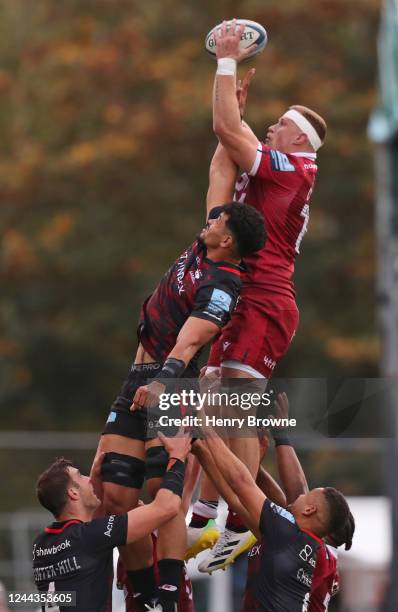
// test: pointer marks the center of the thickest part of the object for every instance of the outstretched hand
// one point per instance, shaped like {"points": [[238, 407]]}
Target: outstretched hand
{"points": [[281, 406], [228, 38]]}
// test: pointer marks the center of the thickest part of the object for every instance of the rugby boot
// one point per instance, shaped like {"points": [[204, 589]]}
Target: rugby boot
{"points": [[229, 546], [200, 538]]}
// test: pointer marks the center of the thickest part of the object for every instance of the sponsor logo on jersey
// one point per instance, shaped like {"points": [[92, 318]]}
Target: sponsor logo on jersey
{"points": [[112, 417], [219, 301], [306, 555], [52, 550], [254, 551], [270, 363], [181, 272], [280, 162], [225, 345], [283, 512], [306, 602], [168, 587], [310, 166], [304, 577], [109, 527], [195, 275]]}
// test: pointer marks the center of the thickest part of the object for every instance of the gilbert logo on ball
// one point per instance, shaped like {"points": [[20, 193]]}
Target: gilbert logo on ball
{"points": [[253, 33]]}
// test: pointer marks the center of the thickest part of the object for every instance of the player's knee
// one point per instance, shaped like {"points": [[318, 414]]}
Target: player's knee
{"points": [[117, 502], [123, 470], [153, 486]]}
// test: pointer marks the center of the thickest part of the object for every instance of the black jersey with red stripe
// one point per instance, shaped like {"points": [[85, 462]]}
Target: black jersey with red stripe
{"points": [[194, 286], [77, 556], [324, 583], [285, 565]]}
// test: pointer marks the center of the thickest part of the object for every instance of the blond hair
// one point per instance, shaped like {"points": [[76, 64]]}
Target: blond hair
{"points": [[317, 122]]}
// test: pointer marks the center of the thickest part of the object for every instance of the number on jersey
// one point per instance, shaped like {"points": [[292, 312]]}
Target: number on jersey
{"points": [[306, 214]]}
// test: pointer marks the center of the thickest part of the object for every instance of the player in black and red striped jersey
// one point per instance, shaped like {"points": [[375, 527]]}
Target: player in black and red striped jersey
{"points": [[192, 302]]}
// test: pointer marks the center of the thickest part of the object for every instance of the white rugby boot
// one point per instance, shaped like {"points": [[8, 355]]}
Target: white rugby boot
{"points": [[229, 546]]}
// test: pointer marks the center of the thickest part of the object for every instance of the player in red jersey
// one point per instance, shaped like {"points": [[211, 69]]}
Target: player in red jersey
{"points": [[278, 179]]}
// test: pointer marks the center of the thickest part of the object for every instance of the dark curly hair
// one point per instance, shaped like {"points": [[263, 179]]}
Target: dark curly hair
{"points": [[339, 510], [246, 225], [344, 535]]}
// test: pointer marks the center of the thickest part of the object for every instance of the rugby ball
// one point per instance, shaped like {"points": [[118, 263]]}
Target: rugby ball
{"points": [[253, 33]]}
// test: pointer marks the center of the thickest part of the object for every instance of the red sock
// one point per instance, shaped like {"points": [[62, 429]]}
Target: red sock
{"points": [[234, 523]]}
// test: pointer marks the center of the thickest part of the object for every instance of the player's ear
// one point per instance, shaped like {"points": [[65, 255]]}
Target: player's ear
{"points": [[309, 509], [301, 140], [227, 242], [73, 493]]}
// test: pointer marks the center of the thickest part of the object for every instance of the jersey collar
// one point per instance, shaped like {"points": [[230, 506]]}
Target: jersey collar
{"points": [[59, 527], [313, 536], [304, 154], [226, 265]]}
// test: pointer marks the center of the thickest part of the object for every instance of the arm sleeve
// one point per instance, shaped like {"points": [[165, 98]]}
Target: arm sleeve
{"points": [[272, 165], [217, 297], [105, 533]]}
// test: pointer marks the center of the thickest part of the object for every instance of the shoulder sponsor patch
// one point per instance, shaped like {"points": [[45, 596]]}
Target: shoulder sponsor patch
{"points": [[219, 301], [112, 417], [280, 162], [283, 512]]}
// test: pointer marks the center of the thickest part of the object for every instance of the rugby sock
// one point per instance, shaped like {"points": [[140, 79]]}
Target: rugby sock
{"points": [[202, 511], [234, 523], [170, 572], [144, 586]]}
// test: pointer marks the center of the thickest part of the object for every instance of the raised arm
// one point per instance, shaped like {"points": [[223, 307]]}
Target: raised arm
{"points": [[291, 473], [145, 519], [238, 477], [222, 178], [240, 142], [223, 487]]}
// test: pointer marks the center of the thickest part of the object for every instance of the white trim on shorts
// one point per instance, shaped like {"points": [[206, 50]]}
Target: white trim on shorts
{"points": [[243, 367]]}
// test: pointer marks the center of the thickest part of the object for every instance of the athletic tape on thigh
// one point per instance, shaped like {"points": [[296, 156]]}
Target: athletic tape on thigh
{"points": [[123, 470], [156, 459]]}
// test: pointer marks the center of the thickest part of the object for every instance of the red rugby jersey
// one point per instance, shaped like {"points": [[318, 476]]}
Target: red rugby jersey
{"points": [[279, 186], [325, 581]]}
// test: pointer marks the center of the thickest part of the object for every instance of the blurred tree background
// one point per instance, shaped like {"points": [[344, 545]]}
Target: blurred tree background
{"points": [[105, 119]]}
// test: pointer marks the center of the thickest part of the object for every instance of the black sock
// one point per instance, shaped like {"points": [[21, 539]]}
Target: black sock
{"points": [[170, 572], [144, 585]]}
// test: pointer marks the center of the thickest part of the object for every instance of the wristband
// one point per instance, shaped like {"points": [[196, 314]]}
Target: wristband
{"points": [[172, 368], [281, 437], [226, 66], [173, 480]]}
